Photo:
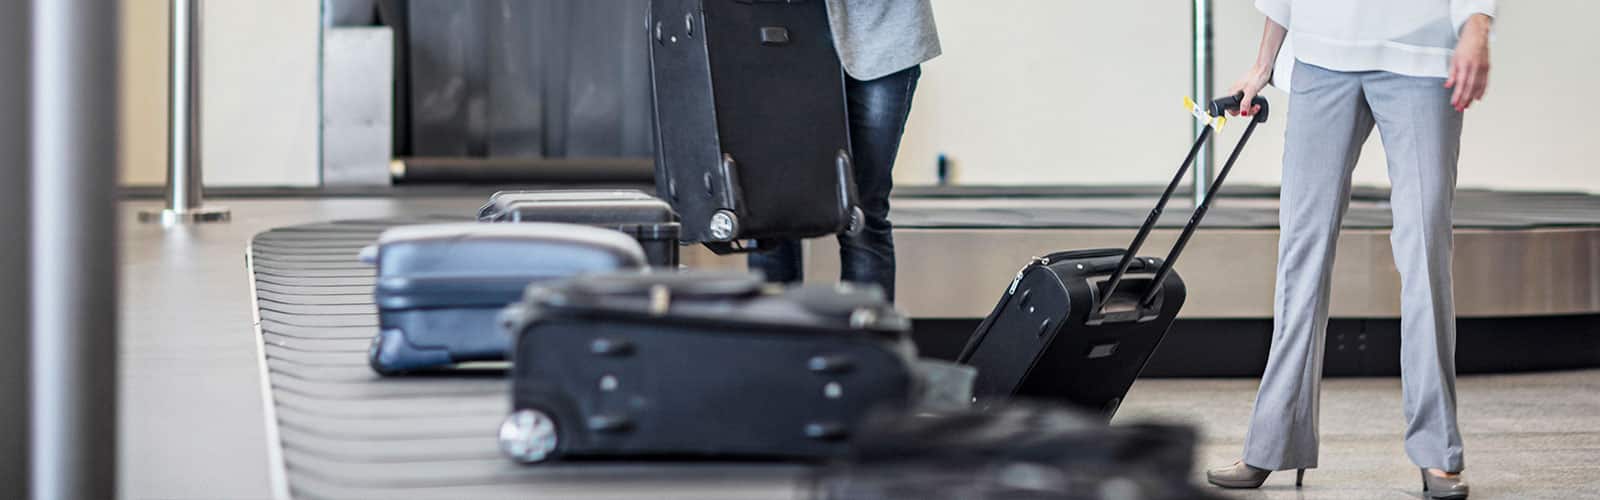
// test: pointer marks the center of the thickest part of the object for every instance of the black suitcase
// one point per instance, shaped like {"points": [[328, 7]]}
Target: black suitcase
{"points": [[699, 364], [752, 136], [646, 218], [1079, 326], [441, 287], [1012, 451]]}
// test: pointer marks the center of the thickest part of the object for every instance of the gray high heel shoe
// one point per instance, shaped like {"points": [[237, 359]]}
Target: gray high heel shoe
{"points": [[1443, 488], [1242, 475]]}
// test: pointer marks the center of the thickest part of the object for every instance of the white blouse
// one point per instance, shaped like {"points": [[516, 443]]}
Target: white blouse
{"points": [[1409, 37]]}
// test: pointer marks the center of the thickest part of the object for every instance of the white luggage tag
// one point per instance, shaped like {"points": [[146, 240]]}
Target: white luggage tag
{"points": [[1200, 113]]}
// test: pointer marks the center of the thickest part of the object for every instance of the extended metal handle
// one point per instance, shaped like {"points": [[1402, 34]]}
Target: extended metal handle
{"points": [[1217, 106]]}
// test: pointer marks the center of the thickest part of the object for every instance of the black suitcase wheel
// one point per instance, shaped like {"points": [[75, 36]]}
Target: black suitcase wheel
{"points": [[530, 436], [858, 220]]}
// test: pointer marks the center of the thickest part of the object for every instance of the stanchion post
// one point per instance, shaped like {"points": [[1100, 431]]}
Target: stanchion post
{"points": [[1204, 90], [73, 269], [185, 189]]}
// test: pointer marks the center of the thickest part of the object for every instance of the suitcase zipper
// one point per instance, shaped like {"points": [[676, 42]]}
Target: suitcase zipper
{"points": [[1036, 261]]}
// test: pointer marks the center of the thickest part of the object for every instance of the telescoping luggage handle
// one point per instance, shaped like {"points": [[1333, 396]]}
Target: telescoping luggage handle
{"points": [[1217, 109]]}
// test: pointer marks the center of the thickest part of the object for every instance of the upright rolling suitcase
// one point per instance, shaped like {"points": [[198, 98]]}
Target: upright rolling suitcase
{"points": [[699, 364], [752, 136], [1079, 326], [646, 218], [441, 287]]}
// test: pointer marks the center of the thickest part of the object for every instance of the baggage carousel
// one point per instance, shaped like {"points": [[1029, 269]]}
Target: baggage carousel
{"points": [[1528, 293], [1525, 262]]}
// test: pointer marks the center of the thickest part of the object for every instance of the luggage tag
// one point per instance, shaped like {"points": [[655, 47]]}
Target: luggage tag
{"points": [[1200, 113]]}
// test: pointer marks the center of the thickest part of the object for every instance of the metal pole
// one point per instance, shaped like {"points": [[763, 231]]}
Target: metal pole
{"points": [[185, 198], [14, 34], [1203, 90], [73, 440]]}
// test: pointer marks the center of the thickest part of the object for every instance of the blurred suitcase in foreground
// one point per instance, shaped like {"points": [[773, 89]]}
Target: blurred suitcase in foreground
{"points": [[646, 218], [752, 139], [1012, 451], [699, 364], [441, 287], [1079, 326]]}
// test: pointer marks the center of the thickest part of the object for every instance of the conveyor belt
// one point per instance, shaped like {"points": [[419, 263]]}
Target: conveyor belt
{"points": [[341, 431]]}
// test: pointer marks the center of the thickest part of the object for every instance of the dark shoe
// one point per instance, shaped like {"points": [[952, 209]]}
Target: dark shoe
{"points": [[1241, 475], [1443, 488]]}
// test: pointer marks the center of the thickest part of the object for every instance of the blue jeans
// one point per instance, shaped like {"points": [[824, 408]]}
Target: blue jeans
{"points": [[878, 111]]}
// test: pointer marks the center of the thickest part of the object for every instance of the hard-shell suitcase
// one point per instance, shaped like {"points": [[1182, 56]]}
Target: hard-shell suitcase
{"points": [[699, 364], [646, 218], [1079, 326], [441, 287], [752, 136]]}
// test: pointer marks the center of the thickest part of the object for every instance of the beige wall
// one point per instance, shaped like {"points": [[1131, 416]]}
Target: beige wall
{"points": [[1053, 92], [144, 91], [1028, 92], [260, 113]]}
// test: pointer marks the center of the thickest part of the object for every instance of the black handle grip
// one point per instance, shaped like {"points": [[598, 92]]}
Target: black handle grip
{"points": [[1222, 105]]}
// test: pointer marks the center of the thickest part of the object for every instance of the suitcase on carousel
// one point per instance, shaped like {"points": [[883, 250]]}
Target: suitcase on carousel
{"points": [[1012, 451], [646, 218], [1079, 326], [441, 287], [699, 364], [752, 136]]}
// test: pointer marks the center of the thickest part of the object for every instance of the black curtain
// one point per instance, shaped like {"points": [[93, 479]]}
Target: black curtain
{"points": [[520, 78]]}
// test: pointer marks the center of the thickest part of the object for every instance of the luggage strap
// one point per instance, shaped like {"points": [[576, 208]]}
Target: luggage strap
{"points": [[1218, 109]]}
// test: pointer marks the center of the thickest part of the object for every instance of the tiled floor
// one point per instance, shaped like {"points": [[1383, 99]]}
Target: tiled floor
{"points": [[1526, 436]]}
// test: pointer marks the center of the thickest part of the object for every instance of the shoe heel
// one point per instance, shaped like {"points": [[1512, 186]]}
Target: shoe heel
{"points": [[1300, 477]]}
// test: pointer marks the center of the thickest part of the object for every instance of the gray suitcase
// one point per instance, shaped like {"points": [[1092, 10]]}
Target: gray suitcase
{"points": [[441, 287], [646, 218]]}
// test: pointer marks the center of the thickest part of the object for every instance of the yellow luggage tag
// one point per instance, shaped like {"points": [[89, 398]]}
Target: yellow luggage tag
{"points": [[1200, 113]]}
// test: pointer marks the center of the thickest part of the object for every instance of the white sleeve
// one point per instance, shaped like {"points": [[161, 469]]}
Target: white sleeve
{"points": [[1278, 10], [1461, 10]]}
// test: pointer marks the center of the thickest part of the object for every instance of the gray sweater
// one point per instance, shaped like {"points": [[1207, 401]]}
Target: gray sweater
{"points": [[877, 38]]}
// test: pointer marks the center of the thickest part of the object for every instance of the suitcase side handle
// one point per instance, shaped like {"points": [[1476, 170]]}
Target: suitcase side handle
{"points": [[1218, 106]]}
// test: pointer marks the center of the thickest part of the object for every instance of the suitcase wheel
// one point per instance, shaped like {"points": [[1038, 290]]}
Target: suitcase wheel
{"points": [[858, 220], [530, 436], [724, 225]]}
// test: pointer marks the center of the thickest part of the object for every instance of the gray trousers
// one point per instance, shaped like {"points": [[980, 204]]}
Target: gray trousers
{"points": [[1331, 114]]}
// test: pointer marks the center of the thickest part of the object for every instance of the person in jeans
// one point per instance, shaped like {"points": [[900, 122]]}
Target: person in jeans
{"points": [[1411, 69], [882, 44]]}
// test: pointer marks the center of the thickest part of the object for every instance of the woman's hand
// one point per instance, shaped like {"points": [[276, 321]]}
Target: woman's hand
{"points": [[1469, 69], [1272, 35], [1250, 84]]}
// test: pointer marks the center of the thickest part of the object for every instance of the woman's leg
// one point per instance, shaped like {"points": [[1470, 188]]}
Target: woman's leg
{"points": [[1422, 138], [1328, 122]]}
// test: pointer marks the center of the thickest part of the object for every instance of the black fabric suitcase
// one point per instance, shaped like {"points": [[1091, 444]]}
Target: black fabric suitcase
{"points": [[752, 136], [1012, 451], [699, 364], [646, 218], [1079, 326], [441, 287]]}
